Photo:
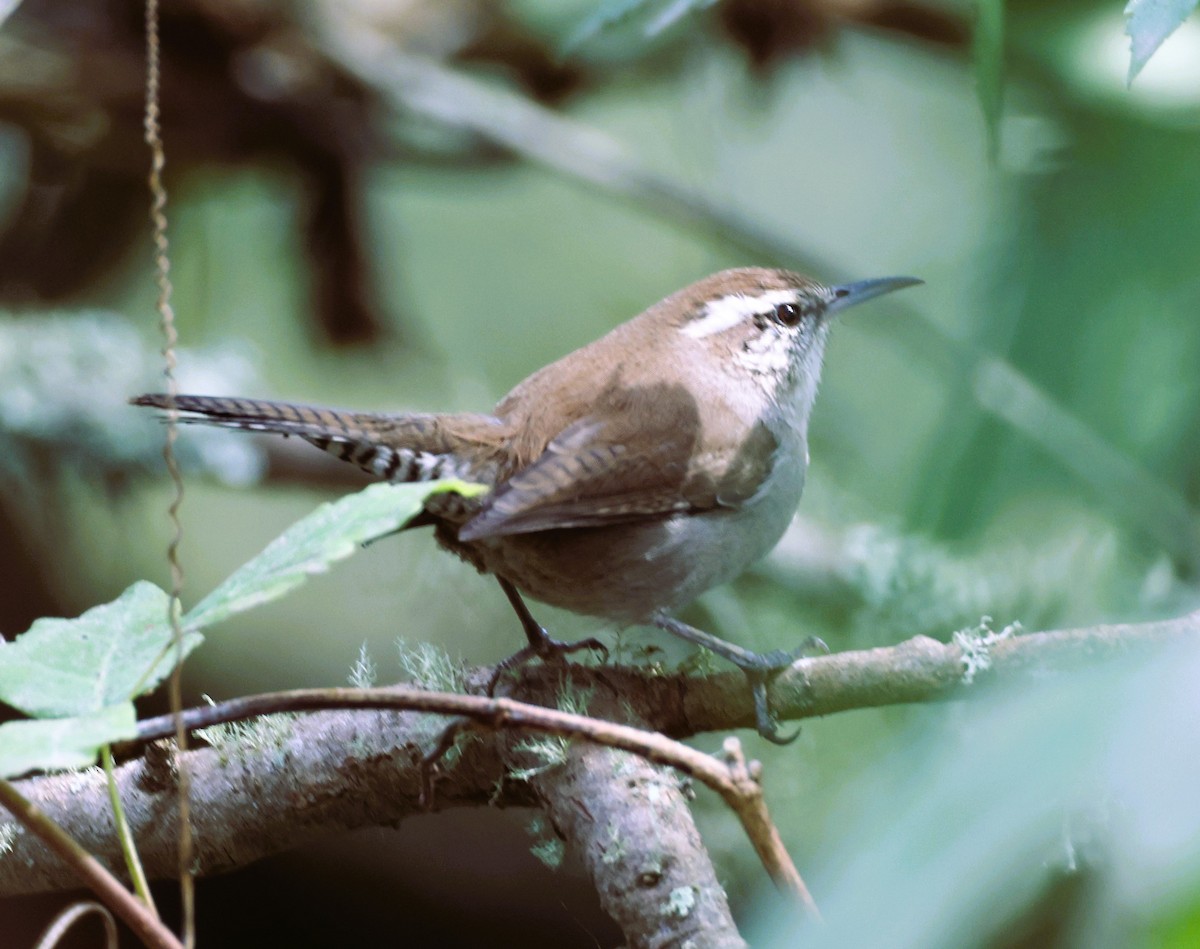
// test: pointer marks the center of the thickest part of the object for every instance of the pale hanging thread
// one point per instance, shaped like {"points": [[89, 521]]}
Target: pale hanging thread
{"points": [[162, 266]]}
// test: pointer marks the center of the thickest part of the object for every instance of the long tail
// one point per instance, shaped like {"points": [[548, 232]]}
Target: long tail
{"points": [[411, 447]]}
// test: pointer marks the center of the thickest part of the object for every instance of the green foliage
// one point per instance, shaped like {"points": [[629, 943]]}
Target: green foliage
{"points": [[54, 743], [331, 533], [1181, 931], [79, 676], [1071, 796], [1149, 23], [550, 851], [573, 699], [110, 654], [428, 666], [1074, 267], [988, 55]]}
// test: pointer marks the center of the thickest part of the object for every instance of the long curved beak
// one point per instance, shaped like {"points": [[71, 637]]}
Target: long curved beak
{"points": [[851, 294]]}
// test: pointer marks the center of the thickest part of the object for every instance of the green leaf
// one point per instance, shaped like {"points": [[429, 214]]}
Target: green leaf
{"points": [[116, 651], [988, 55], [331, 533], [1149, 23], [63, 667], [49, 744]]}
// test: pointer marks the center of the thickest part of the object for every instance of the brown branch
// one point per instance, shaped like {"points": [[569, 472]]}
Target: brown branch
{"points": [[737, 783], [288, 780], [82, 867], [630, 823], [751, 808]]}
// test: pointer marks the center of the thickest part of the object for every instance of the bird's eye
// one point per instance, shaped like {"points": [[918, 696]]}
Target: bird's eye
{"points": [[788, 314]]}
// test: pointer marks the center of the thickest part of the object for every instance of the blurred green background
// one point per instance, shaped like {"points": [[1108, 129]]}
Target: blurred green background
{"points": [[1019, 438]]}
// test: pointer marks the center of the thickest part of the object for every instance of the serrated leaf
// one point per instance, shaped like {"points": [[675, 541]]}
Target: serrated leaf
{"points": [[331, 533], [56, 743], [1149, 23], [988, 55], [64, 667]]}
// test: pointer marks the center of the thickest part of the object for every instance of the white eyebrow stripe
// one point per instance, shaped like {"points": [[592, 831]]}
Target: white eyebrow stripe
{"points": [[725, 312]]}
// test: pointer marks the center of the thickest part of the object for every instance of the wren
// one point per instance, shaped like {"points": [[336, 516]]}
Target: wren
{"points": [[629, 476]]}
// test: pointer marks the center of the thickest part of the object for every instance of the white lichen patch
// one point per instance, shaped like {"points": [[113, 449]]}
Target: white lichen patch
{"points": [[429, 667], [363, 674], [976, 644], [681, 902], [549, 752], [8, 835]]}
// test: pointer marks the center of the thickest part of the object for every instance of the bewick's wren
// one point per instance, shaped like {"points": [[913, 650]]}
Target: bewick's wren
{"points": [[629, 476]]}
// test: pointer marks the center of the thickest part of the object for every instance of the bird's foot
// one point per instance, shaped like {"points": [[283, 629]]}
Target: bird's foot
{"points": [[760, 668], [546, 648], [541, 644]]}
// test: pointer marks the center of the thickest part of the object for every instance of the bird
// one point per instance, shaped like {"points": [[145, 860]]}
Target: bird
{"points": [[627, 477]]}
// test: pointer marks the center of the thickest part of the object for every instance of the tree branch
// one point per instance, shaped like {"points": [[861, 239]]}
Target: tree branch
{"points": [[286, 780], [83, 868], [734, 779], [629, 821]]}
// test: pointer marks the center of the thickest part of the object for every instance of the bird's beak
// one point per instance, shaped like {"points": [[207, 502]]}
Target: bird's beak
{"points": [[851, 294]]}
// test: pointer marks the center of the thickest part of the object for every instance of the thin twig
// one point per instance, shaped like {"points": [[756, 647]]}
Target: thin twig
{"points": [[735, 783], [53, 934], [162, 265], [745, 798], [89, 870]]}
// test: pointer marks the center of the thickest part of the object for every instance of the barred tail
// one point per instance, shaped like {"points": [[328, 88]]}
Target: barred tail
{"points": [[394, 447]]}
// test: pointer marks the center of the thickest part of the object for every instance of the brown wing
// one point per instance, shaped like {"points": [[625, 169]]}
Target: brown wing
{"points": [[649, 458]]}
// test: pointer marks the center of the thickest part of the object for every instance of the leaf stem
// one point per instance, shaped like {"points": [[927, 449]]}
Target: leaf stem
{"points": [[133, 863]]}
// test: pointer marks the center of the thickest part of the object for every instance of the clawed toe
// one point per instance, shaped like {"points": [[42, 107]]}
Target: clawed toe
{"points": [[759, 668], [781, 659], [548, 650], [541, 645], [554, 649], [775, 661], [812, 646], [764, 720]]}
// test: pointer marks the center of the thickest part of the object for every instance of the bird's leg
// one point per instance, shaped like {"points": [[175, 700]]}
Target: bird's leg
{"points": [[541, 644], [760, 668]]}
